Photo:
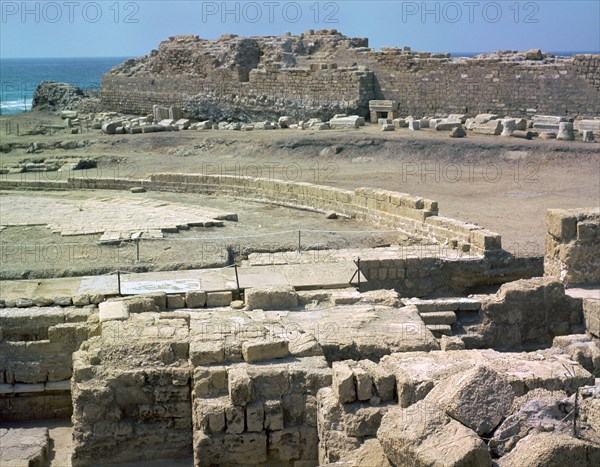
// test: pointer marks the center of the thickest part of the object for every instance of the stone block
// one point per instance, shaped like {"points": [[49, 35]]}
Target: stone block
{"points": [[81, 300], [343, 383], [63, 301], [64, 385], [588, 231], [206, 352], [110, 311], [175, 301], [265, 349], [591, 316], [587, 136], [218, 299], [195, 299], [451, 343], [271, 298], [479, 398], [235, 417], [414, 125], [561, 224], [493, 127], [447, 126], [364, 384], [255, 416], [565, 131], [240, 386], [423, 435], [273, 415], [384, 381]]}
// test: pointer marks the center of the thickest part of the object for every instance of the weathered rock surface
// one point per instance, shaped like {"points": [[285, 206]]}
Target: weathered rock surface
{"points": [[422, 435], [479, 398]]}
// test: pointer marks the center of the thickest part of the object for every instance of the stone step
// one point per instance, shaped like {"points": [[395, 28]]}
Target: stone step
{"points": [[440, 329], [444, 304], [438, 317]]}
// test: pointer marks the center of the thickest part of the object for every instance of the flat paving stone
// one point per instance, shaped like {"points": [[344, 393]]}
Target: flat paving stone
{"points": [[114, 218]]}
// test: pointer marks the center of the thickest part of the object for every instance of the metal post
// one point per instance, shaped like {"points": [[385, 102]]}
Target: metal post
{"points": [[119, 281], [358, 269], [137, 248], [299, 241], [237, 281]]}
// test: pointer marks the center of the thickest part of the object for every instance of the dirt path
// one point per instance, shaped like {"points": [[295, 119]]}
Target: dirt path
{"points": [[503, 184]]}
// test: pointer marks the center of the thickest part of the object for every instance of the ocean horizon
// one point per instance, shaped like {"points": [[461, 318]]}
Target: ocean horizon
{"points": [[19, 77]]}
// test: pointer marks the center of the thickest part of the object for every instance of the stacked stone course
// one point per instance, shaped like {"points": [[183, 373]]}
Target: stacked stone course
{"points": [[326, 73]]}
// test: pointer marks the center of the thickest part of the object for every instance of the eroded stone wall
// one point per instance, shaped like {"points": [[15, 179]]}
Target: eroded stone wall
{"points": [[323, 73], [572, 245]]}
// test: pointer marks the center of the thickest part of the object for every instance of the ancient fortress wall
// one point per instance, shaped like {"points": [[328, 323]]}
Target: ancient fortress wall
{"points": [[324, 73], [572, 245]]}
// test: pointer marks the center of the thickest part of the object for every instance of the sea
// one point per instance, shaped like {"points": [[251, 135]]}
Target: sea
{"points": [[20, 76]]}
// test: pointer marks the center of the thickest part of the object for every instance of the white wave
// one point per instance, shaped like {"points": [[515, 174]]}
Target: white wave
{"points": [[15, 106]]}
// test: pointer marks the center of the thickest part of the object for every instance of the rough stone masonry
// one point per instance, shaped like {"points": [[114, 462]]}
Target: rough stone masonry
{"points": [[324, 73]]}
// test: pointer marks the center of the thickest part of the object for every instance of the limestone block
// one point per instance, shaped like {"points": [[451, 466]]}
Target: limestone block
{"points": [[175, 301], [286, 121], [271, 298], [458, 132], [63, 301], [551, 449], [587, 136], [591, 316], [414, 125], [588, 231], [364, 384], [509, 125], [384, 381], [210, 381], [218, 299], [451, 343], [265, 349], [423, 435], [273, 415], [24, 447], [447, 126], [160, 299], [206, 352], [484, 118], [235, 419], [485, 239], [521, 124], [109, 311], [399, 122], [565, 131], [255, 416], [478, 398], [270, 381], [183, 123], [344, 122], [561, 224], [388, 127], [492, 127], [343, 383], [230, 449], [64, 385], [195, 299], [240, 386], [81, 300]]}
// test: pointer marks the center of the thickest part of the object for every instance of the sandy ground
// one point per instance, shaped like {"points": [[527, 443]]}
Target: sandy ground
{"points": [[503, 184]]}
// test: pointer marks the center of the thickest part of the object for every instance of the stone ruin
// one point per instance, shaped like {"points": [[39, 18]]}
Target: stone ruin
{"points": [[358, 376], [324, 73]]}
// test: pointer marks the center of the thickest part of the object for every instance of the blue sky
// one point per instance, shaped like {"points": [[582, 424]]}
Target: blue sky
{"points": [[78, 28]]}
